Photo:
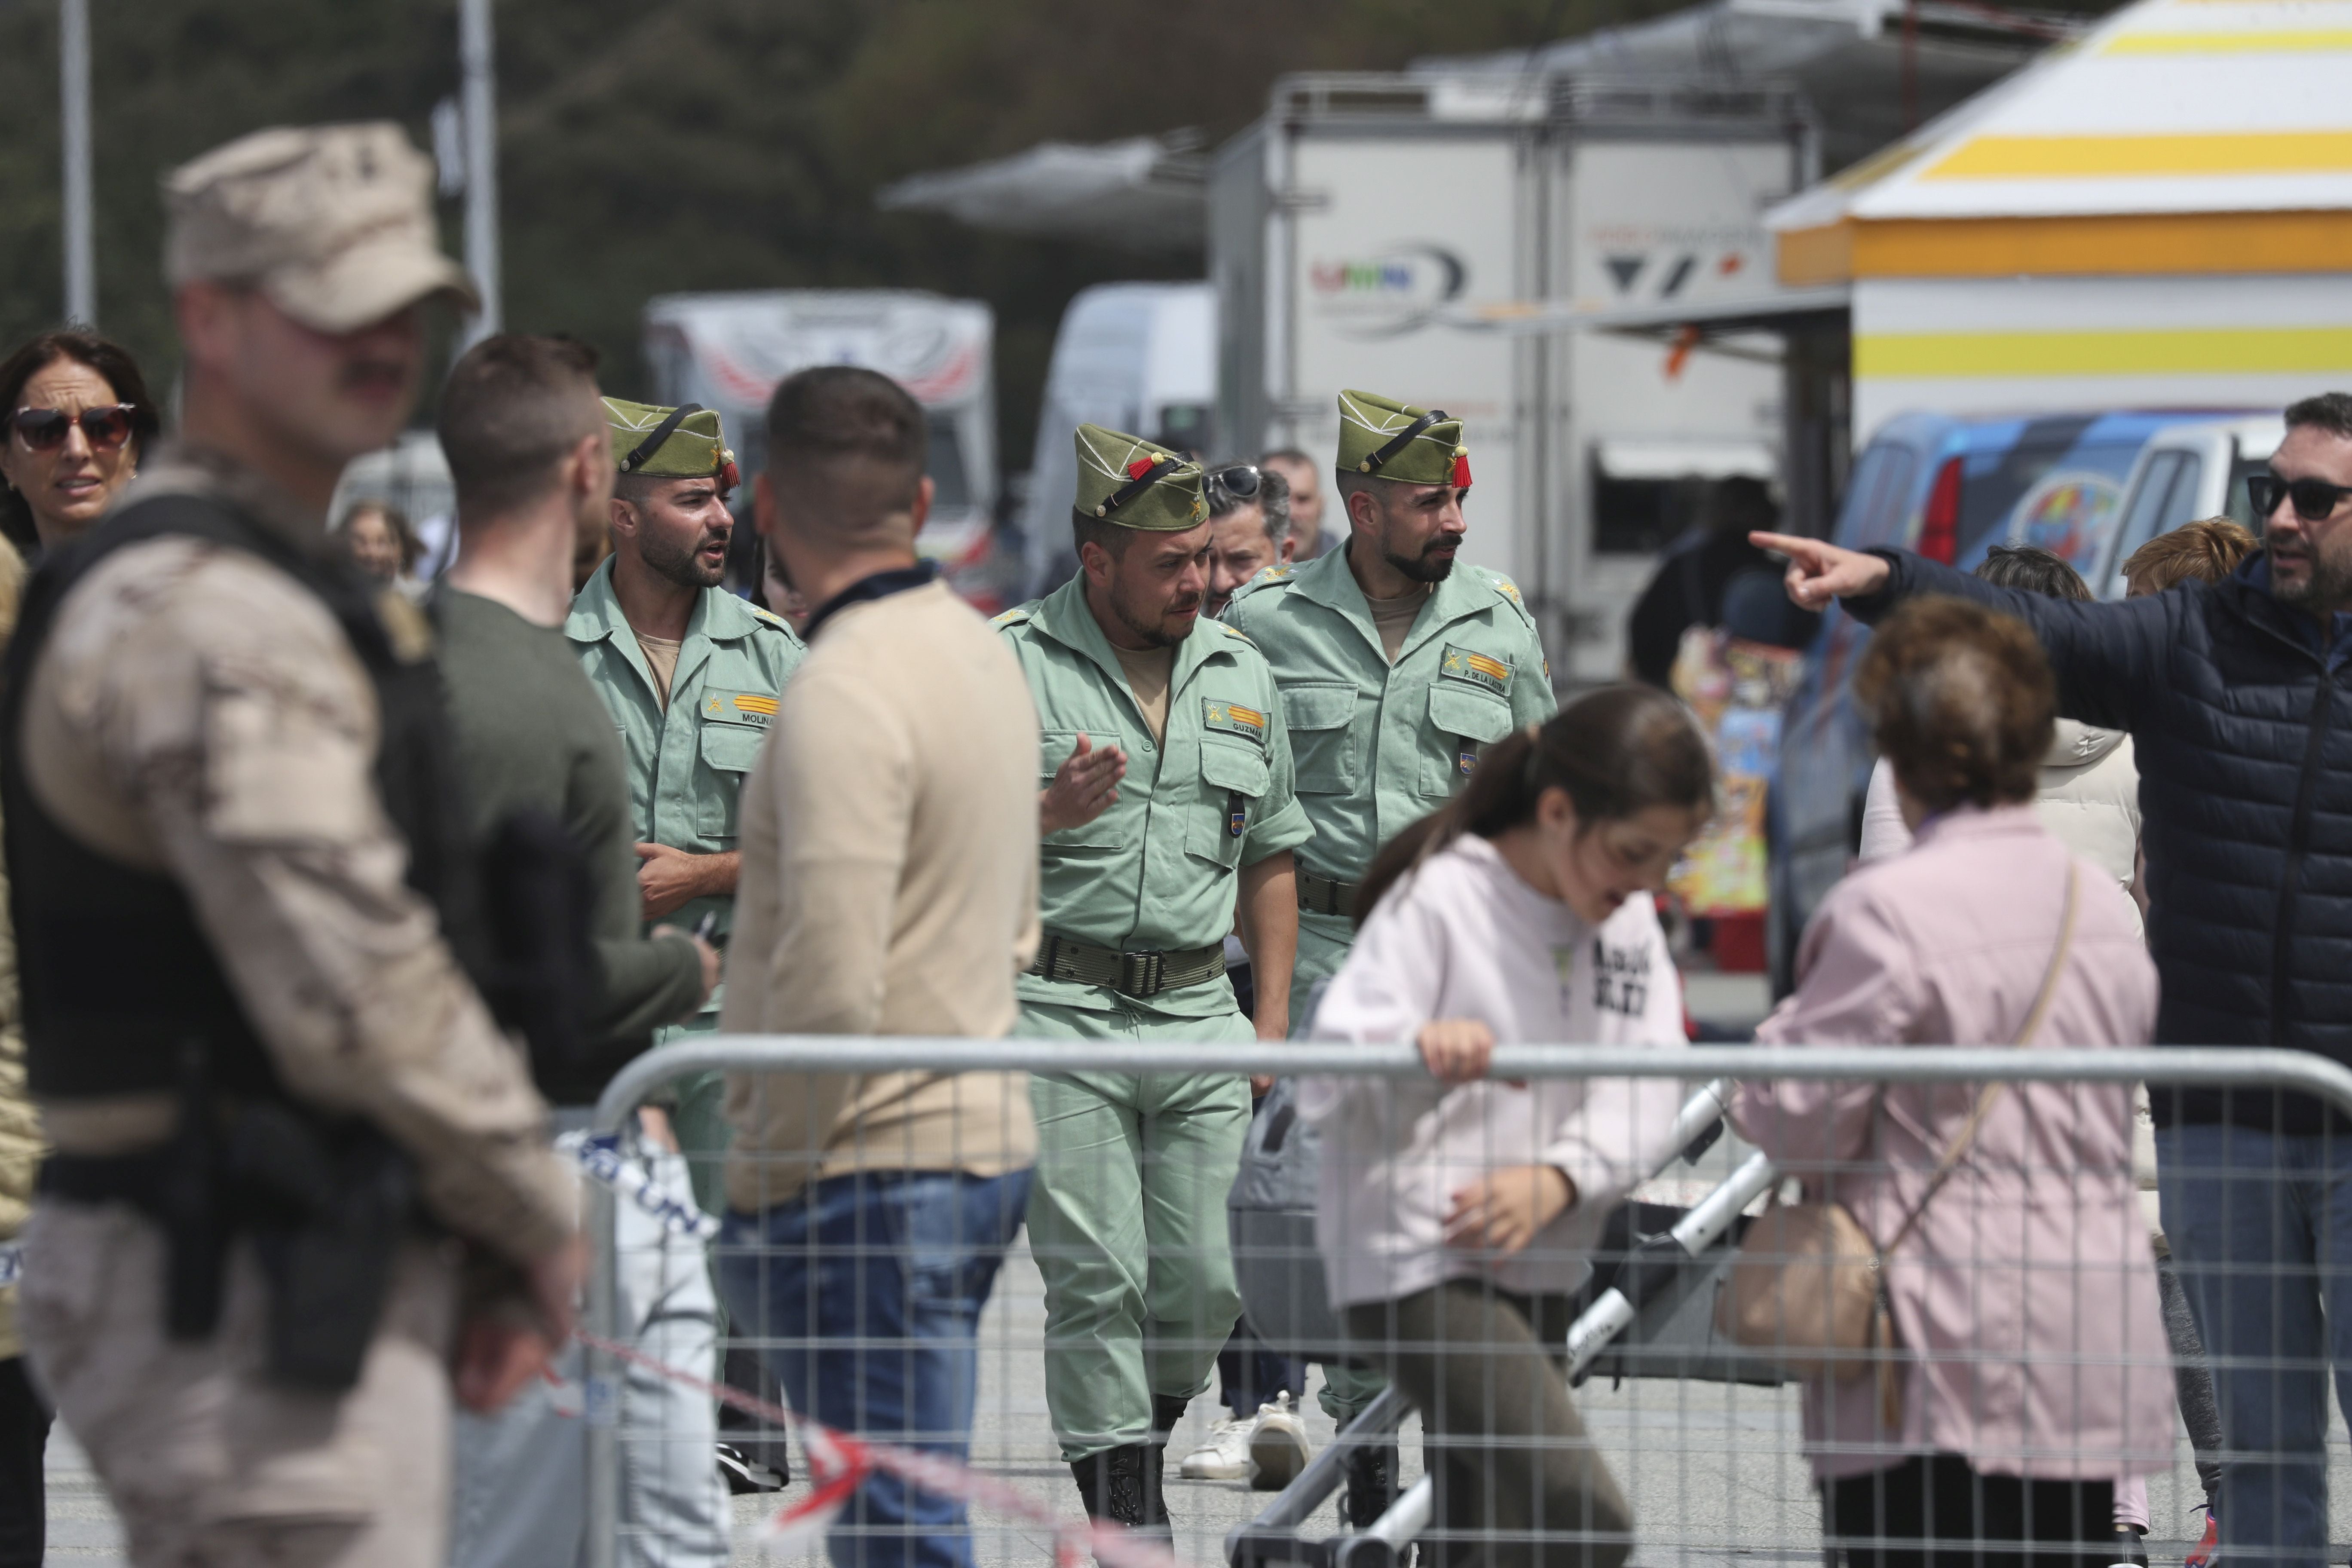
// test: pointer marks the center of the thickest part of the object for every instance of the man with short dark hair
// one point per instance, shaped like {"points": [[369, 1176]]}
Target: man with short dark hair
{"points": [[2238, 701], [1309, 538], [1249, 528], [525, 436], [889, 887]]}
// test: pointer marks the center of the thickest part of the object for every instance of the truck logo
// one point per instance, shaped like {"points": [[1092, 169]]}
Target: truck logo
{"points": [[1388, 294]]}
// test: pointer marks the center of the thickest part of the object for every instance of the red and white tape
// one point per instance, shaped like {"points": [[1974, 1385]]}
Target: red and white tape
{"points": [[839, 1464]]}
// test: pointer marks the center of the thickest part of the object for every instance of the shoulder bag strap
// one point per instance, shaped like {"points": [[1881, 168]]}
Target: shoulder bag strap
{"points": [[2033, 1021]]}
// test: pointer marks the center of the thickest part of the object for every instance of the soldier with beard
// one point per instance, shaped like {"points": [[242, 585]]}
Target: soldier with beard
{"points": [[1396, 665], [1167, 811], [690, 673]]}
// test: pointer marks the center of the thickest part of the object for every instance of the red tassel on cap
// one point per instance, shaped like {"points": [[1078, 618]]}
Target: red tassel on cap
{"points": [[1461, 480], [1141, 467]]}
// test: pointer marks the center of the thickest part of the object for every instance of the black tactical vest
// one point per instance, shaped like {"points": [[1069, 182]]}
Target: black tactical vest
{"points": [[118, 977]]}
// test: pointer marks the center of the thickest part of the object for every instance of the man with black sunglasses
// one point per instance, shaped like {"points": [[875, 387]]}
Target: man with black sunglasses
{"points": [[2238, 696]]}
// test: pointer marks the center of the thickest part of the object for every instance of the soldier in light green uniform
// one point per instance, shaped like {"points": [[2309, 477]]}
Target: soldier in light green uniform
{"points": [[1168, 812], [690, 673], [1396, 665]]}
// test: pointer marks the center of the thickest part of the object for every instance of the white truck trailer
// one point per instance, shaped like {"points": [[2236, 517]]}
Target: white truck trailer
{"points": [[1440, 239], [728, 351]]}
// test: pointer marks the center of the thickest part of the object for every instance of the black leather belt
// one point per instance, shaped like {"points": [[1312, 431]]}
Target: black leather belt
{"points": [[1325, 895], [1138, 974]]}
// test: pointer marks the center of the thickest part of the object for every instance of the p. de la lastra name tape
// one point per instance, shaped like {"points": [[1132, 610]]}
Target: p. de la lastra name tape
{"points": [[629, 1179], [839, 1464]]}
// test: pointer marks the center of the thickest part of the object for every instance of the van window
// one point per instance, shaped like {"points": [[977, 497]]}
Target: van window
{"points": [[951, 487], [2166, 497], [1878, 496]]}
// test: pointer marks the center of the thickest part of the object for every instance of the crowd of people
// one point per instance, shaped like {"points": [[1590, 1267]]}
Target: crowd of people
{"points": [[408, 877]]}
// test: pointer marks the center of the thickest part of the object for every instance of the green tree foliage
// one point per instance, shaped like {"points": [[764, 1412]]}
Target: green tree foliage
{"points": [[688, 145]]}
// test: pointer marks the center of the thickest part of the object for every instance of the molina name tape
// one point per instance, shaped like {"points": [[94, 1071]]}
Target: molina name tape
{"points": [[628, 1178], [839, 1464]]}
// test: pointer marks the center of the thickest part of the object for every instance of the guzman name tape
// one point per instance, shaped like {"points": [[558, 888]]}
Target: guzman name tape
{"points": [[630, 1179]]}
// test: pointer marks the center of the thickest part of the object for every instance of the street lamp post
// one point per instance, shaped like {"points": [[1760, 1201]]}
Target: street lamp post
{"points": [[73, 113], [478, 102]]}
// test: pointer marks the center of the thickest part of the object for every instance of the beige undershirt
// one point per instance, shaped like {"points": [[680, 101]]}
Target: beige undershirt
{"points": [[1393, 618], [1148, 670], [661, 657]]}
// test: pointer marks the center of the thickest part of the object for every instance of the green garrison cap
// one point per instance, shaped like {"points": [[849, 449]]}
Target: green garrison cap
{"points": [[1128, 480], [1392, 441], [669, 443]]}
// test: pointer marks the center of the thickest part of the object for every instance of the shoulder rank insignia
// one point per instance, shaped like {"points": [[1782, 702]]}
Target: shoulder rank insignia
{"points": [[769, 617], [1232, 718], [1509, 589], [1234, 631], [1012, 617], [1477, 668]]}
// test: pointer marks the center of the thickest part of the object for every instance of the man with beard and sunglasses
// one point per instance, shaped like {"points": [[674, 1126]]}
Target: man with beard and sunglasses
{"points": [[1167, 811], [241, 903], [2239, 702]]}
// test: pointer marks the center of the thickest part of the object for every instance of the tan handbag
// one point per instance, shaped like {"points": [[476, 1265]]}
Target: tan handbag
{"points": [[1807, 1288]]}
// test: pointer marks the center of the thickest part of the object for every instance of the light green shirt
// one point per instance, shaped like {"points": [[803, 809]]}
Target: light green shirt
{"points": [[1379, 746], [1158, 870], [686, 763]]}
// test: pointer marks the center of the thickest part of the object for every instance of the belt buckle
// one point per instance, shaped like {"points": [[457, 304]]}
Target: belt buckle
{"points": [[1143, 974]]}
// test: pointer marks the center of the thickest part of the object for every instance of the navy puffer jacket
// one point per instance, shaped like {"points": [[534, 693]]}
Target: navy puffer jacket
{"points": [[2241, 712]]}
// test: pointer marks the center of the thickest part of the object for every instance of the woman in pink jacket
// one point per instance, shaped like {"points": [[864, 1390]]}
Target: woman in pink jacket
{"points": [[2034, 1372]]}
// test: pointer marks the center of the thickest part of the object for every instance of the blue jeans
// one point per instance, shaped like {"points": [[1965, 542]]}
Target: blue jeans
{"points": [[2261, 1228], [866, 1291]]}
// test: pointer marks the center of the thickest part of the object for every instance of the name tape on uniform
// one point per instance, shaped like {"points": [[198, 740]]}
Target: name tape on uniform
{"points": [[602, 1157], [839, 1464]]}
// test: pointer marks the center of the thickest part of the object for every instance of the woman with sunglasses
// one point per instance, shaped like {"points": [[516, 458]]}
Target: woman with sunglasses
{"points": [[79, 420]]}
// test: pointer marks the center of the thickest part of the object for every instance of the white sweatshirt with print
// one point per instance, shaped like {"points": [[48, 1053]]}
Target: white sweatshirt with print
{"points": [[1463, 937]]}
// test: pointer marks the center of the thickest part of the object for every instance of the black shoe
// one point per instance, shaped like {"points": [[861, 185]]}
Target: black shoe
{"points": [[1372, 1471], [746, 1476], [2129, 1548], [1122, 1485]]}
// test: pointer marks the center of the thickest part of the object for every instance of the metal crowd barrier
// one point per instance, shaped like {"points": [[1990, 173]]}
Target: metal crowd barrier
{"points": [[1732, 1449]]}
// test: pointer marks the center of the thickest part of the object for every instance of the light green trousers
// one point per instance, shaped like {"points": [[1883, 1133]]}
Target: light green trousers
{"points": [[1127, 1221]]}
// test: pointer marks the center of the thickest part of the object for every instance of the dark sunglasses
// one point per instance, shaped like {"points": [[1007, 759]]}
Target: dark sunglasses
{"points": [[1241, 481], [2315, 500], [107, 425]]}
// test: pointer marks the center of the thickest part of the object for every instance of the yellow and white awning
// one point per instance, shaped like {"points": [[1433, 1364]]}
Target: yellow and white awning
{"points": [[2180, 137]]}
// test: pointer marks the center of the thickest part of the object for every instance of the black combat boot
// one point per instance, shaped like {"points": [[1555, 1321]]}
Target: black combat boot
{"points": [[1122, 1485], [1372, 1471]]}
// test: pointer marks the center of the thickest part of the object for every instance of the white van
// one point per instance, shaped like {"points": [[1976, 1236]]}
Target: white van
{"points": [[728, 352], [1137, 357], [2186, 472]]}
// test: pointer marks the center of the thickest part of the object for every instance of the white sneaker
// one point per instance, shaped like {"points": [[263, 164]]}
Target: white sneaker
{"points": [[1224, 1454], [1279, 1449]]}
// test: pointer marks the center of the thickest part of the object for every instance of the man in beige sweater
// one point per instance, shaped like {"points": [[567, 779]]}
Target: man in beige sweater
{"points": [[888, 887]]}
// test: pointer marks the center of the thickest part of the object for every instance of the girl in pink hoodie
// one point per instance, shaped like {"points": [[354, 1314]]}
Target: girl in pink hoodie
{"points": [[1455, 1212], [2034, 1371]]}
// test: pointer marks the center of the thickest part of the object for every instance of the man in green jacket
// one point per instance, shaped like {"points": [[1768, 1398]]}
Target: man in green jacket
{"points": [[526, 440], [1167, 812], [1396, 665]]}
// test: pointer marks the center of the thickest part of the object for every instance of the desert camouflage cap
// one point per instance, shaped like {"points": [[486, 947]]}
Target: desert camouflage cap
{"points": [[694, 447], [1129, 481], [1392, 441], [334, 224]]}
